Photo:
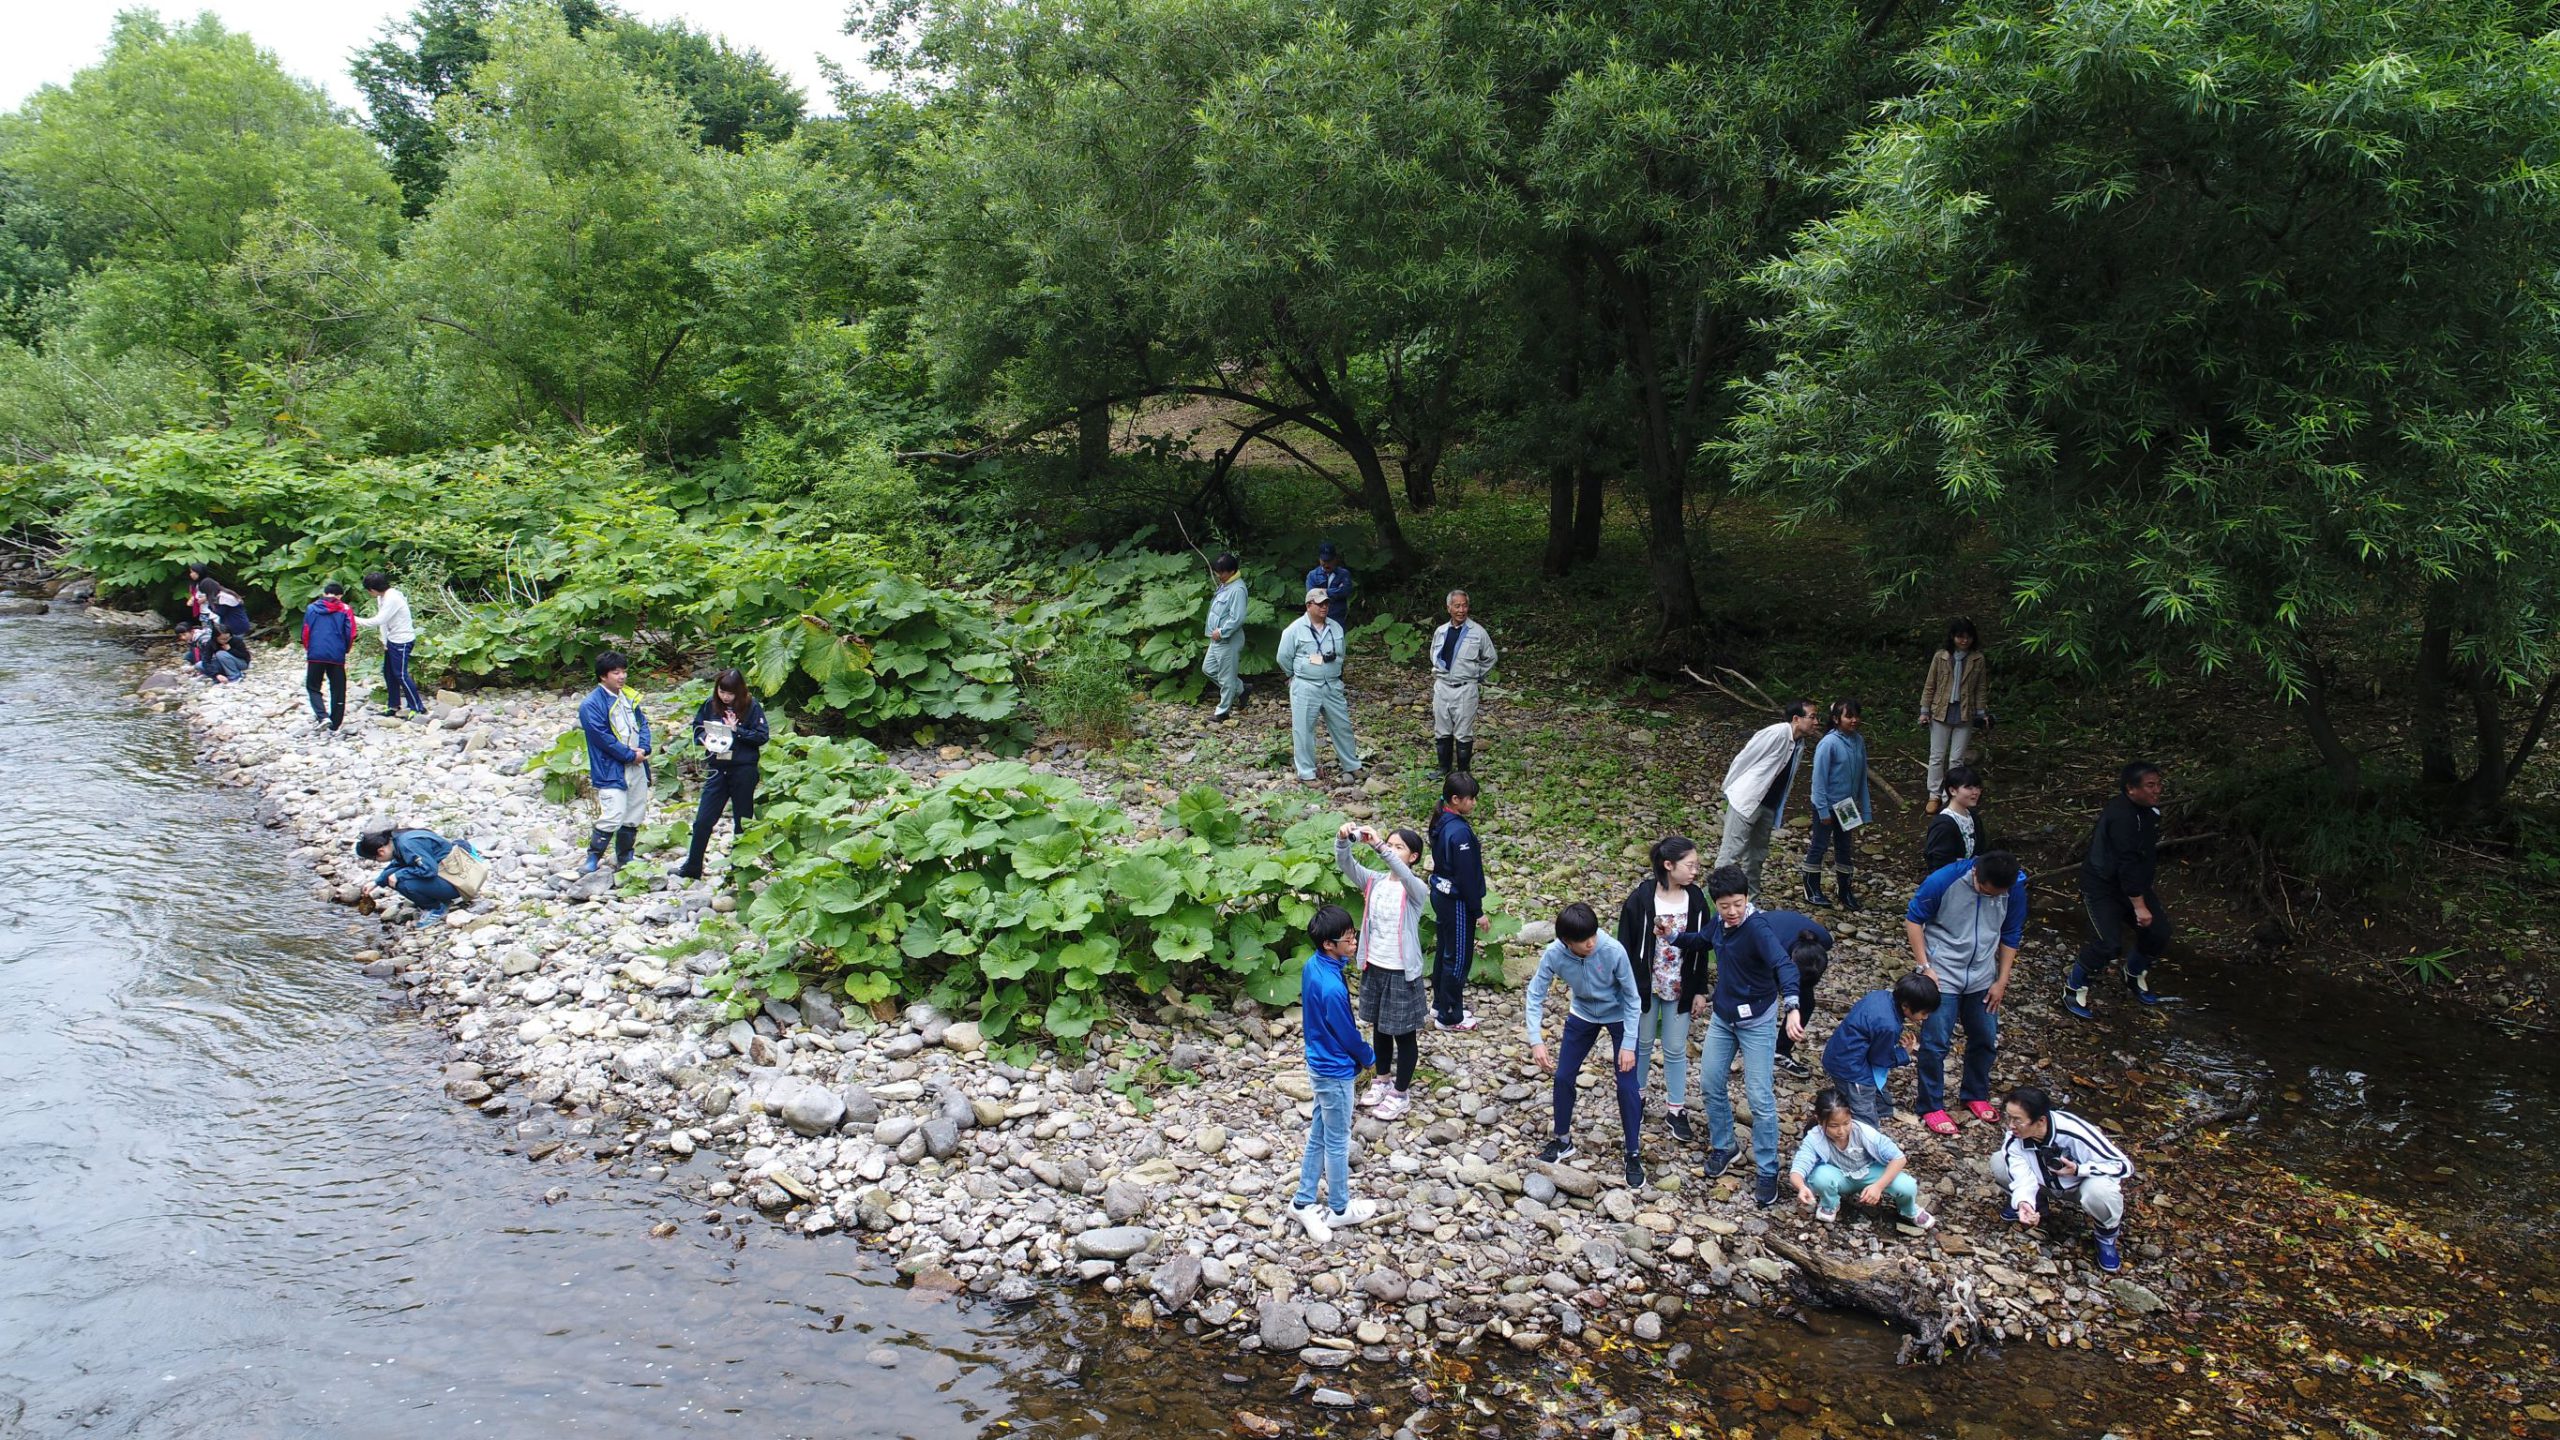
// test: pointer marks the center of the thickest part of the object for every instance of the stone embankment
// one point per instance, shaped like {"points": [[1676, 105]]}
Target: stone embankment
{"points": [[581, 1022]]}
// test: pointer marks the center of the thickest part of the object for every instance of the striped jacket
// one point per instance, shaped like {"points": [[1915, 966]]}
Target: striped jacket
{"points": [[2034, 1164]]}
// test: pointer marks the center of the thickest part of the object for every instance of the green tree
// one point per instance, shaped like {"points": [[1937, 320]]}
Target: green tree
{"points": [[553, 276], [736, 96], [34, 266], [2234, 323]]}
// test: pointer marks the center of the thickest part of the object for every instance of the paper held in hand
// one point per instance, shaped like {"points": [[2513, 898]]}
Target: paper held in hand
{"points": [[717, 737], [1847, 815]]}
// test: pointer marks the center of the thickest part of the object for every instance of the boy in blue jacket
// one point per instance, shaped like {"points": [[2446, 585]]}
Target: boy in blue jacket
{"points": [[1757, 998], [1457, 901], [617, 760], [1875, 1036], [1335, 1057], [328, 633]]}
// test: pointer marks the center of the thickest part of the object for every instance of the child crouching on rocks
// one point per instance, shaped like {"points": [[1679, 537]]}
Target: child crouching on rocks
{"points": [[2053, 1155], [1335, 1056], [1844, 1155], [1394, 995], [1600, 984], [1878, 1034]]}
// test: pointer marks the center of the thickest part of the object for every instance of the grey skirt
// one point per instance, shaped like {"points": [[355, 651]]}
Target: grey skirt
{"points": [[1393, 1002]]}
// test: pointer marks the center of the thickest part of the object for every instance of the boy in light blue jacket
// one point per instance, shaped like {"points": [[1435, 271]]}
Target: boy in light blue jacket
{"points": [[1600, 983], [1839, 773]]}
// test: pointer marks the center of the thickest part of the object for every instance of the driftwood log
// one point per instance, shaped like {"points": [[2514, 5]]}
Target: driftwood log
{"points": [[1939, 1314], [2239, 1108]]}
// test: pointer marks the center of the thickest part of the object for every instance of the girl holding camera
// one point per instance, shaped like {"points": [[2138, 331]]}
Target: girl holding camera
{"points": [[730, 727]]}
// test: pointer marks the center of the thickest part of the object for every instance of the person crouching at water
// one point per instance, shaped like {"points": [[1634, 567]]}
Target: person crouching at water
{"points": [[2053, 1155], [411, 864], [1394, 995], [1844, 1155]]}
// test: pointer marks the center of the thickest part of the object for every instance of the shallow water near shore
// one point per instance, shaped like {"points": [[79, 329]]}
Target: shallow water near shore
{"points": [[233, 1201]]}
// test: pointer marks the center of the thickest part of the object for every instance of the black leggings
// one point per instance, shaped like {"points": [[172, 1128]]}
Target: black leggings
{"points": [[1401, 1052]]}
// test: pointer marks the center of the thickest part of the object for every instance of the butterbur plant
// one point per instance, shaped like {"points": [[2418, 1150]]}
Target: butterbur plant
{"points": [[1011, 893]]}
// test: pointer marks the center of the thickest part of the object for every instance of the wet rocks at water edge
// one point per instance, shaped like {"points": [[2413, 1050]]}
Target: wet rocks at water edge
{"points": [[581, 1019]]}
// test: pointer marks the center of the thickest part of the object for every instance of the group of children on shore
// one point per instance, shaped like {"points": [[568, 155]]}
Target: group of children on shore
{"points": [[1683, 952]]}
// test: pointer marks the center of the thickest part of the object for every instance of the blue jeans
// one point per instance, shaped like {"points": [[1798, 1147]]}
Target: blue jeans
{"points": [[1666, 1024], [1757, 1041], [1937, 1038], [1866, 1098], [1328, 1145], [1580, 1036], [397, 688]]}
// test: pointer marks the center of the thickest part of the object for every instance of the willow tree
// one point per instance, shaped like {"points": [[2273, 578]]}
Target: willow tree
{"points": [[2233, 321]]}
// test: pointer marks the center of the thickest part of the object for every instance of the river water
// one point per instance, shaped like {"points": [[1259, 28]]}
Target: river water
{"points": [[233, 1202]]}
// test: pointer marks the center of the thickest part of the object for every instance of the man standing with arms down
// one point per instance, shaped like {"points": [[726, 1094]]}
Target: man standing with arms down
{"points": [[2119, 888], [1225, 661], [1334, 580], [1755, 789], [1311, 656], [1461, 656]]}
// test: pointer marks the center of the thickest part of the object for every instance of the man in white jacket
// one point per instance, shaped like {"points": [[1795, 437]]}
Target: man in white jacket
{"points": [[1461, 656], [399, 637], [1755, 789], [2053, 1155]]}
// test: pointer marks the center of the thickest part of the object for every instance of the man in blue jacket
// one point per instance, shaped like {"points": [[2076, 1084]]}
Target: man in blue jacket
{"points": [[328, 633], [617, 760], [1758, 996], [1964, 924], [1331, 577], [1457, 902], [1335, 1057]]}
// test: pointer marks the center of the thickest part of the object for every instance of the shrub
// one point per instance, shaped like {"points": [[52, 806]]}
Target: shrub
{"points": [[1083, 690]]}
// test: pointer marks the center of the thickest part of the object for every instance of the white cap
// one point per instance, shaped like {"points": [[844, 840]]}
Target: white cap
{"points": [[1319, 593]]}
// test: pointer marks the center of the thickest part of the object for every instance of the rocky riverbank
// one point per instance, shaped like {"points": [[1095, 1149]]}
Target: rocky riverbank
{"points": [[579, 1021]]}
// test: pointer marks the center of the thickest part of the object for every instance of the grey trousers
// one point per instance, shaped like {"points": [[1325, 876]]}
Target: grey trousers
{"points": [[1453, 710], [1746, 839]]}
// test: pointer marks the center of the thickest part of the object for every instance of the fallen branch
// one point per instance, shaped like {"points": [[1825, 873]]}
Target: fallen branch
{"points": [[2239, 1109], [1941, 1320], [1720, 688]]}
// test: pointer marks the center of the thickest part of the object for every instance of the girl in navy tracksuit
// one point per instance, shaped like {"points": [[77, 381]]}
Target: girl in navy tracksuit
{"points": [[1457, 901]]}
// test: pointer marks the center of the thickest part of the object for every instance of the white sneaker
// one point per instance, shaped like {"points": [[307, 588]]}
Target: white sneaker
{"points": [[1394, 1106], [1358, 1212], [1376, 1094], [1466, 1021], [1313, 1217]]}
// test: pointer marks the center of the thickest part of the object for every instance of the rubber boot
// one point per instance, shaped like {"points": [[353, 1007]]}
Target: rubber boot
{"points": [[1447, 748], [624, 840], [597, 839], [1848, 897], [1466, 757], [1813, 895]]}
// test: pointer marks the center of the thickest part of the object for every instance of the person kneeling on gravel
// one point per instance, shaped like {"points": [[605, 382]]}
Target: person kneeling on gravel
{"points": [[1335, 1057], [412, 862], [2053, 1155]]}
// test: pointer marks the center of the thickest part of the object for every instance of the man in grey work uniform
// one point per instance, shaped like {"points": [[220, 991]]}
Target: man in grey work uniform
{"points": [[1461, 656]]}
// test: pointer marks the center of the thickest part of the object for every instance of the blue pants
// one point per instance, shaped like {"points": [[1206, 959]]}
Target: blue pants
{"points": [[1579, 1037], [1843, 845], [1309, 699], [1937, 1038], [1328, 1145], [1829, 1184], [1757, 1041], [1667, 1025], [426, 894], [1866, 1098], [1225, 664], [727, 787], [1453, 954], [397, 688]]}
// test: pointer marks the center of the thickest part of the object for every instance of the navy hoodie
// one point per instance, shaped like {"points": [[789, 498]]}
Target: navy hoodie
{"points": [[328, 631]]}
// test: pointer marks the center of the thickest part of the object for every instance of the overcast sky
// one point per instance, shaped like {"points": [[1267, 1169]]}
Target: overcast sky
{"points": [[48, 40]]}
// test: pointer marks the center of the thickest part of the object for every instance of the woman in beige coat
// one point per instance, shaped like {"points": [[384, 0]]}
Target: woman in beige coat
{"points": [[1952, 701]]}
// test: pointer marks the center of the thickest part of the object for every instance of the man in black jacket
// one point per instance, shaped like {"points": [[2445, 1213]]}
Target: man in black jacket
{"points": [[2119, 889]]}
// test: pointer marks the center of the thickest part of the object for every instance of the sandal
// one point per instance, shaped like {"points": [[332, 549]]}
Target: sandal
{"points": [[1939, 1123], [1984, 1111]]}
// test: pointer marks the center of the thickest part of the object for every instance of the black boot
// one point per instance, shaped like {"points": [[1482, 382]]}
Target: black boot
{"points": [[1848, 897], [597, 839], [1446, 747], [623, 841], [1466, 757], [691, 869], [1813, 895]]}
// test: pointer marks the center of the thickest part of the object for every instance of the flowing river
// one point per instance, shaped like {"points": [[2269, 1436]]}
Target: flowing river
{"points": [[233, 1201]]}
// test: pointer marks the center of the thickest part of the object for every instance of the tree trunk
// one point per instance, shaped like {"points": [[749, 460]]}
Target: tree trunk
{"points": [[1586, 512], [1421, 466], [1665, 471], [1560, 493], [2486, 786], [1093, 441], [2346, 768], [2435, 679]]}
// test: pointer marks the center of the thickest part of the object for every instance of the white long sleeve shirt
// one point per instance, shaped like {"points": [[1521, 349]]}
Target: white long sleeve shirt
{"points": [[391, 616]]}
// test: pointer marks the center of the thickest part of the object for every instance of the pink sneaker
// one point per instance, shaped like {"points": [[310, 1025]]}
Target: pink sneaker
{"points": [[1466, 1021], [1394, 1106], [1921, 1219], [1376, 1094]]}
